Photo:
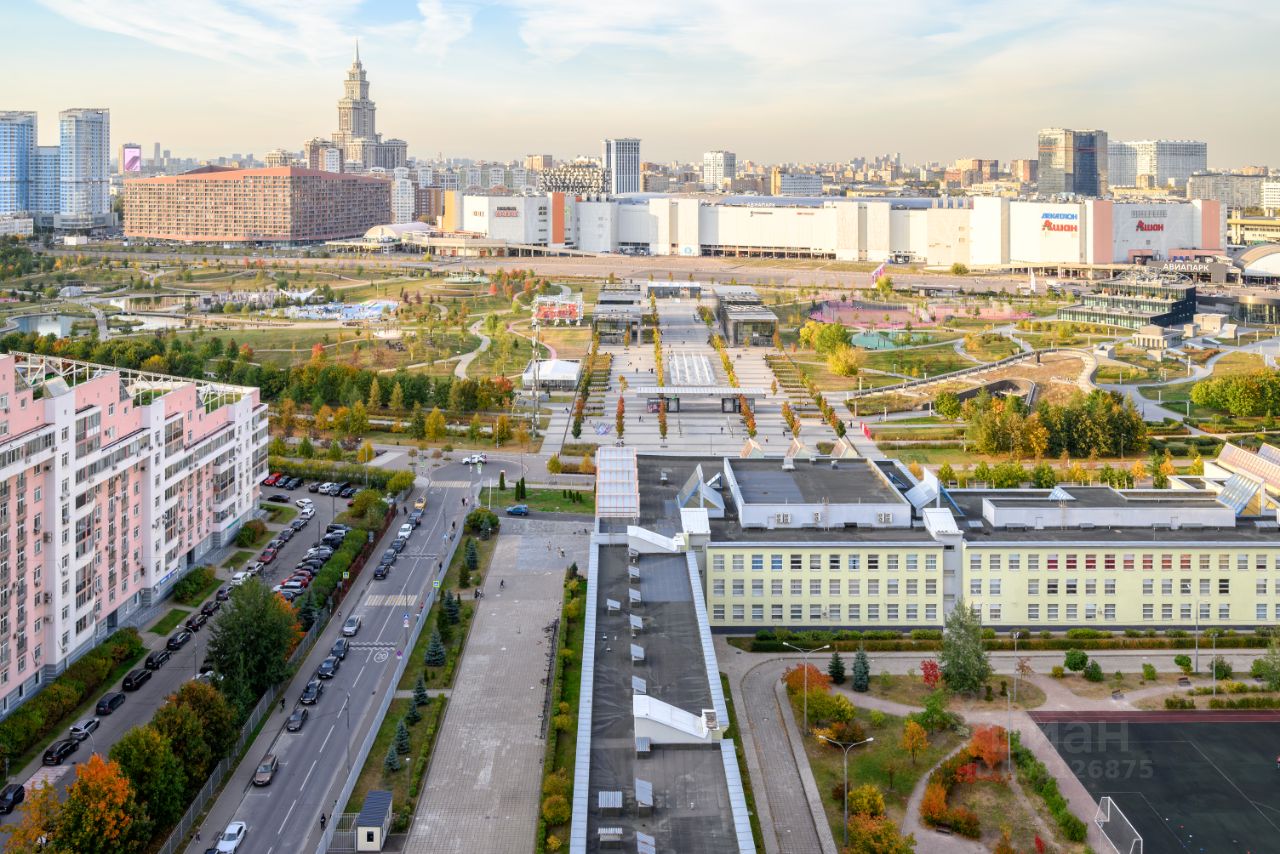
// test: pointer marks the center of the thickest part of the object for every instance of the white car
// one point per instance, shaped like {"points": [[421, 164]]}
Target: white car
{"points": [[305, 503], [229, 841], [253, 567], [239, 578], [475, 459], [405, 530], [351, 627]]}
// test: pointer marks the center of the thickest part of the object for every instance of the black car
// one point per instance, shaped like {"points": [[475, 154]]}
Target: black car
{"points": [[276, 544], [340, 648], [10, 796], [296, 720], [312, 562], [60, 750], [398, 544], [342, 489], [109, 703], [211, 607], [279, 498], [328, 668], [381, 570], [156, 659], [336, 527], [223, 594], [196, 621], [389, 557], [348, 492], [297, 524], [178, 641], [285, 535], [312, 692], [294, 483], [136, 679], [314, 488], [415, 518]]}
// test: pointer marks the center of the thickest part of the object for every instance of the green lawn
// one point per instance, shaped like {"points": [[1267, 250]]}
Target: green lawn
{"points": [[279, 514], [547, 501], [237, 559], [991, 348], [169, 621], [930, 361], [405, 783]]}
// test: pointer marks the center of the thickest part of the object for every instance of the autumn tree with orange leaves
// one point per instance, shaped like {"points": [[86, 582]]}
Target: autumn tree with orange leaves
{"points": [[795, 679], [989, 745], [100, 814], [35, 821]]}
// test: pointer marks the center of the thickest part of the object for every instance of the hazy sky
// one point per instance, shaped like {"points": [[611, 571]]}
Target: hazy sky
{"points": [[773, 81]]}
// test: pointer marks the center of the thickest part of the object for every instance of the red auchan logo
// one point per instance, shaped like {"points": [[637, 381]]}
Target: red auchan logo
{"points": [[1150, 226], [1050, 225]]}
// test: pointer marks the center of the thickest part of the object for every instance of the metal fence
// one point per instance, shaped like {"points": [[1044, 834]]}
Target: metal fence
{"points": [[344, 832], [178, 837]]}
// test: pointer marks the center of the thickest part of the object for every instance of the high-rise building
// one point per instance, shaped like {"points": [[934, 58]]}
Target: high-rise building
{"points": [[1234, 191], [160, 471], [794, 183], [573, 179], [18, 141], [278, 157], [1169, 162], [46, 181], [719, 168], [357, 133], [621, 163], [284, 205], [84, 165], [402, 195], [1073, 162], [538, 162], [156, 162], [1024, 170]]}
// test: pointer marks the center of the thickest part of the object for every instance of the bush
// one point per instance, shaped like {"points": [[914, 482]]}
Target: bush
{"points": [[1093, 672], [1222, 668], [1149, 672], [964, 822], [1057, 671], [555, 810], [191, 587], [477, 519], [1087, 634], [250, 532], [1184, 663], [1177, 703], [1076, 660]]}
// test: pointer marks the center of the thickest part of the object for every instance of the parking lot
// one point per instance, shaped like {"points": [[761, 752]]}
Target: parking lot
{"points": [[1198, 781]]}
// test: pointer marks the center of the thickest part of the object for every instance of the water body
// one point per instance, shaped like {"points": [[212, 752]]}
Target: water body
{"points": [[58, 325]]}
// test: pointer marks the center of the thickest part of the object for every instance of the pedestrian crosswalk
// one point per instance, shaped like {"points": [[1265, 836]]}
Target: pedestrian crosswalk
{"points": [[450, 484], [392, 600]]}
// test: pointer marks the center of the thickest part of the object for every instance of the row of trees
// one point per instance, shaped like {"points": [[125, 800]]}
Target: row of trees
{"points": [[1241, 395], [1009, 474], [1101, 423]]}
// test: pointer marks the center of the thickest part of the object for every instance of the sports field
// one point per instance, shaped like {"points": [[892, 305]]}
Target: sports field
{"points": [[1186, 781]]}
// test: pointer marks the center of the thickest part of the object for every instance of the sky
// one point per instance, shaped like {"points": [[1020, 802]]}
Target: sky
{"points": [[814, 80]]}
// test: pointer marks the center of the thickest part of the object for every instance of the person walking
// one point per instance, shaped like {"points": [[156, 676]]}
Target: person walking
{"points": [[322, 821]]}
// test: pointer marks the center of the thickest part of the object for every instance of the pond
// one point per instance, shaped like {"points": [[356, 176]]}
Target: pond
{"points": [[58, 325], [144, 323], [874, 340]]}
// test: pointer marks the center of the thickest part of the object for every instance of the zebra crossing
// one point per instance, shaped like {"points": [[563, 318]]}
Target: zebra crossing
{"points": [[391, 600], [450, 484]]}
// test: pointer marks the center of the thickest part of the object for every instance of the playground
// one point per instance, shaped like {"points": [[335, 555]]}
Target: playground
{"points": [[1183, 781]]}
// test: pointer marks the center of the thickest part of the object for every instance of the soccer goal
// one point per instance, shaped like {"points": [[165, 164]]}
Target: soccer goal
{"points": [[1117, 829]]}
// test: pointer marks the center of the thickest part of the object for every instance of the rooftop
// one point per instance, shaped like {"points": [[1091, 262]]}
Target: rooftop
{"points": [[765, 481]]}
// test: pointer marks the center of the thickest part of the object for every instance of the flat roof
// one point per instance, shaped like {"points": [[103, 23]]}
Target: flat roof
{"points": [[765, 481]]}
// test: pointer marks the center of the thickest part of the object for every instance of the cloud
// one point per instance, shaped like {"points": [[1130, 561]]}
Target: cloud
{"points": [[441, 26]]}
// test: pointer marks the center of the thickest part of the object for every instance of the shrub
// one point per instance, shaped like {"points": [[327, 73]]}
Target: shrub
{"points": [[1075, 660], [1093, 672], [477, 518], [555, 810], [557, 783], [933, 807], [866, 800], [1222, 668], [1246, 703], [1184, 663], [964, 822], [1179, 703], [1087, 634], [250, 532], [189, 588], [1149, 672], [1057, 671], [877, 718]]}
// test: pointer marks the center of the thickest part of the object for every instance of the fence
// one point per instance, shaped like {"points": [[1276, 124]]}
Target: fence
{"points": [[178, 837], [343, 837], [1116, 829]]}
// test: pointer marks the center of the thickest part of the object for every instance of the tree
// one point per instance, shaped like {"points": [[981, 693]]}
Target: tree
{"points": [[845, 361], [914, 739], [861, 671], [801, 677], [452, 608], [471, 556], [866, 800], [835, 669], [963, 660], [334, 451], [1093, 671], [1267, 666], [365, 453], [375, 395], [306, 450], [620, 417], [990, 744], [434, 427], [947, 405], [358, 420], [200, 725], [475, 428], [36, 820], [412, 715], [251, 641], [877, 836], [402, 738], [501, 429], [391, 762], [420, 696], [435, 656], [100, 813], [157, 776], [1222, 668], [930, 673], [555, 810], [400, 481], [1075, 660], [397, 398], [554, 466], [287, 417]]}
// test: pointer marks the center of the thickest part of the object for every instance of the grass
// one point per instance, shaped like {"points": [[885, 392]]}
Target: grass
{"points": [[939, 359], [238, 558], [1082, 687], [732, 733], [999, 805], [867, 765], [403, 784], [442, 677], [280, 514], [911, 691], [826, 380], [990, 347], [169, 621], [551, 500]]}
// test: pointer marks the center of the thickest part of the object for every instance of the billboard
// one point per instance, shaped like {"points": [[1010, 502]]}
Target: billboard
{"points": [[132, 155]]}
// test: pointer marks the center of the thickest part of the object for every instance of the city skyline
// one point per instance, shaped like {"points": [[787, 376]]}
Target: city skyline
{"points": [[230, 76]]}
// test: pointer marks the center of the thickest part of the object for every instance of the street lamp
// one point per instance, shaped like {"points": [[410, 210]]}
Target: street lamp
{"points": [[805, 653], [845, 747]]}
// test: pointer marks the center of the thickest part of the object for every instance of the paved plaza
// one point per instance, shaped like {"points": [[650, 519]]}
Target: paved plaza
{"points": [[483, 788]]}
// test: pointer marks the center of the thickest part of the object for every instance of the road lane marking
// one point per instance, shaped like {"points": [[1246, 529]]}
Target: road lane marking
{"points": [[286, 816], [313, 767], [325, 743]]}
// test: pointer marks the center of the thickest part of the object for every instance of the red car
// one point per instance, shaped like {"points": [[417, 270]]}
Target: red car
{"points": [[271, 479], [267, 556]]}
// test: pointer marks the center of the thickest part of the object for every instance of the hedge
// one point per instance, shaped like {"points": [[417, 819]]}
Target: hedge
{"points": [[1039, 778], [325, 470], [45, 712], [1246, 703], [1060, 643]]}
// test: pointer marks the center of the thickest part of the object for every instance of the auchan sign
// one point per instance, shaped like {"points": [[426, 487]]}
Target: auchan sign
{"points": [[1059, 222], [1150, 226]]}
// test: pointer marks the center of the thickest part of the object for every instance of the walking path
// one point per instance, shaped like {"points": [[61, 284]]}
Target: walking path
{"points": [[483, 786], [465, 360]]}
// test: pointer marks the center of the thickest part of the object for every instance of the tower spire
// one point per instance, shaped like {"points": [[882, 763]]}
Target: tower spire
{"points": [[357, 51]]}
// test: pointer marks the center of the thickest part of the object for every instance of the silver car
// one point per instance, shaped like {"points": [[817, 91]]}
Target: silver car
{"points": [[351, 627]]}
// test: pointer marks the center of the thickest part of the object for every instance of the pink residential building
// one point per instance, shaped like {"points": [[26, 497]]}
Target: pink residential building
{"points": [[113, 484]]}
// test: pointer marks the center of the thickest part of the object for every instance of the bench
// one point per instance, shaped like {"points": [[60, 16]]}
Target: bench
{"points": [[944, 829]]}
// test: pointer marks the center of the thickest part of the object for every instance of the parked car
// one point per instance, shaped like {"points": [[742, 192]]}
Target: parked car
{"points": [[267, 556], [109, 703], [328, 668], [421, 503], [196, 622], [380, 571], [276, 544], [156, 659], [348, 492], [284, 535], [314, 488], [518, 510], [299, 523], [136, 679], [296, 720], [239, 578], [337, 527], [85, 728], [60, 750], [304, 502], [270, 480], [229, 841], [351, 627], [278, 498], [10, 796], [178, 641], [223, 594], [475, 459], [388, 557], [311, 693], [319, 551], [294, 483], [342, 487], [266, 770], [399, 543], [211, 607], [405, 530], [340, 648]]}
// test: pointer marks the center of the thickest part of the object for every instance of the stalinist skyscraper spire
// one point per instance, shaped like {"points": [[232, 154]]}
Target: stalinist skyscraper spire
{"points": [[357, 135]]}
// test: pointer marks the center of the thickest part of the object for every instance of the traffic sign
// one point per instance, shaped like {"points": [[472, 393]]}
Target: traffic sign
{"points": [[346, 576], [436, 584], [406, 621]]}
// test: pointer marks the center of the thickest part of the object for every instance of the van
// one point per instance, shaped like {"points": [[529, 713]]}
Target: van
{"points": [[109, 703], [136, 679]]}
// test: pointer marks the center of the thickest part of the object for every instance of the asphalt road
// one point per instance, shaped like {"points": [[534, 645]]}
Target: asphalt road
{"points": [[315, 762]]}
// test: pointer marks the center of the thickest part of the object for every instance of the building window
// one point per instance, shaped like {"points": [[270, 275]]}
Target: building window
{"points": [[815, 563], [1091, 561], [717, 587], [1205, 584], [1148, 562], [1261, 587], [1184, 560], [1071, 560], [797, 587], [1051, 586], [1184, 586], [815, 612], [1051, 562], [739, 612], [892, 563], [1204, 610], [833, 563], [930, 587], [1033, 587], [1224, 585], [1109, 560], [913, 562], [833, 587], [757, 613], [873, 587], [1242, 562], [855, 613], [1166, 587], [717, 563], [1051, 611], [1072, 613], [891, 613], [775, 613], [1015, 563], [1033, 612], [873, 613], [1090, 587], [855, 562], [1109, 612], [1166, 612], [993, 587], [757, 563], [1166, 561], [1072, 587], [873, 562], [775, 563], [797, 562], [1109, 586], [913, 613], [912, 587], [975, 586], [994, 562], [1224, 612], [775, 587], [815, 587], [717, 613], [931, 613], [975, 561], [931, 562], [891, 587], [1184, 611], [1260, 612], [738, 563], [833, 613], [797, 613], [855, 587], [757, 587], [738, 587], [1148, 611], [993, 612], [1148, 587], [1033, 563]]}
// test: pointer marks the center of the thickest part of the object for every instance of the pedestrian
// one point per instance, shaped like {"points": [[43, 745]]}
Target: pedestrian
{"points": [[502, 582], [282, 704], [322, 822]]}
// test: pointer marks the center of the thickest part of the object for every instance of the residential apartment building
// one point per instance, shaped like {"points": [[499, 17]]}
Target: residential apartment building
{"points": [[1072, 162], [794, 183], [719, 168], [1234, 191], [856, 543], [113, 485], [621, 163], [63, 186], [1166, 162], [281, 205]]}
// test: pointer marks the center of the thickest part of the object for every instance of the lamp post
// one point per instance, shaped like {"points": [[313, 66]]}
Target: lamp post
{"points": [[805, 653], [1213, 664], [845, 747]]}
